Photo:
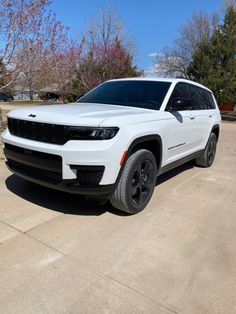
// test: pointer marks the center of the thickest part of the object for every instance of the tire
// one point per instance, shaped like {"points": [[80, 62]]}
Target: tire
{"points": [[136, 184], [208, 156]]}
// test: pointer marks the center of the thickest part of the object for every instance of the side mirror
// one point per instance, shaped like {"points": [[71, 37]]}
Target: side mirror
{"points": [[179, 104]]}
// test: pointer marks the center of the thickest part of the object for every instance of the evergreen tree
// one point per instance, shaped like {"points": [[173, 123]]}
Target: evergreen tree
{"points": [[214, 62]]}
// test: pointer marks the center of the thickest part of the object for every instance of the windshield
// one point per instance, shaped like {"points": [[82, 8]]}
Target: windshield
{"points": [[140, 94]]}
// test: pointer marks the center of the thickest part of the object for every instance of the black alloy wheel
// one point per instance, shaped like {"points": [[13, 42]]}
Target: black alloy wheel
{"points": [[142, 182], [137, 182]]}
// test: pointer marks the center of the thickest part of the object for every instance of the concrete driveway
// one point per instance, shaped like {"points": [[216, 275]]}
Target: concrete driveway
{"points": [[61, 255]]}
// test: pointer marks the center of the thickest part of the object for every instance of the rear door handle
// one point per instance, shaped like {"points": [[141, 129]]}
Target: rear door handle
{"points": [[191, 117], [210, 116]]}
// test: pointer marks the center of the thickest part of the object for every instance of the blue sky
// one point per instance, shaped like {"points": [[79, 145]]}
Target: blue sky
{"points": [[152, 24]]}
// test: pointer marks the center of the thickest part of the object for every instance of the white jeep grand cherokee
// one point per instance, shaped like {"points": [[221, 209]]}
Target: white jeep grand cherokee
{"points": [[116, 140]]}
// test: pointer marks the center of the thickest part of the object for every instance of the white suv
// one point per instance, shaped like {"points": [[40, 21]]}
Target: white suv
{"points": [[116, 139]]}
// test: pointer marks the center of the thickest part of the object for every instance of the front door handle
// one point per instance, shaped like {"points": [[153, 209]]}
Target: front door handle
{"points": [[191, 117]]}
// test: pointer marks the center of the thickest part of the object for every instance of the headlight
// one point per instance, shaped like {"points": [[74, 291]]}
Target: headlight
{"points": [[90, 133]]}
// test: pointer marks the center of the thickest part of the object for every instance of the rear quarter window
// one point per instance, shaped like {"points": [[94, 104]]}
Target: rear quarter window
{"points": [[210, 104]]}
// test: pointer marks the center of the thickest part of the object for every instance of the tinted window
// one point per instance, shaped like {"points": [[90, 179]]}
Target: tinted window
{"points": [[181, 90], [210, 104], [197, 95], [141, 94]]}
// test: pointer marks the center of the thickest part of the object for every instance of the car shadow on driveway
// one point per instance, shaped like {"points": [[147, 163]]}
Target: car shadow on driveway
{"points": [[55, 200], [174, 172], [71, 203]]}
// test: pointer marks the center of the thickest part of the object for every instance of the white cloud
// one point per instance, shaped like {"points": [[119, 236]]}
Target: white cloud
{"points": [[153, 54], [151, 71]]}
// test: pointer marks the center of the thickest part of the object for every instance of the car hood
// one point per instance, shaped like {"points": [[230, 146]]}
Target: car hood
{"points": [[75, 114]]}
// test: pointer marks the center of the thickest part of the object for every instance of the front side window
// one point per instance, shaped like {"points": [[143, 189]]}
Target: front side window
{"points": [[140, 94], [181, 91]]}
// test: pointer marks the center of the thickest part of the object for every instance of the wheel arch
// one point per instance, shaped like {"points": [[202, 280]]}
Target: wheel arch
{"points": [[152, 143], [216, 130], [149, 142]]}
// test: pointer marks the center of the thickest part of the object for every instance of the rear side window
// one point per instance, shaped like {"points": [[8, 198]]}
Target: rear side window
{"points": [[210, 104], [201, 99], [198, 98]]}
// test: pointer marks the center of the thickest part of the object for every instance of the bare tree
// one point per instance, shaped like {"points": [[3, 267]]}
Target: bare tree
{"points": [[37, 57], [106, 27], [19, 19], [229, 3], [174, 61], [64, 64], [36, 49], [30, 61], [107, 51]]}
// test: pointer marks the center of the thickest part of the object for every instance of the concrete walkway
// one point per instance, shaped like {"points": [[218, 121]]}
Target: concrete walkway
{"points": [[59, 254]]}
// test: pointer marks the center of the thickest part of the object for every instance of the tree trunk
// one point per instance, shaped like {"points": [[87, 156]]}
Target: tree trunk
{"points": [[1, 121], [31, 96], [63, 98]]}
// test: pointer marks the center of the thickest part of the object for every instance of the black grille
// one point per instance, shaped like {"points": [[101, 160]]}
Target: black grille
{"points": [[89, 175], [37, 131], [33, 172], [38, 165], [35, 153]]}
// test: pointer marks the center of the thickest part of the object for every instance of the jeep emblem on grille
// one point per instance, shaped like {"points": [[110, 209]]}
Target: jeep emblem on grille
{"points": [[32, 115]]}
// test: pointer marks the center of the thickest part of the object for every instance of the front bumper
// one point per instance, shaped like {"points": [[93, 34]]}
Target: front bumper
{"points": [[70, 186], [82, 167]]}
